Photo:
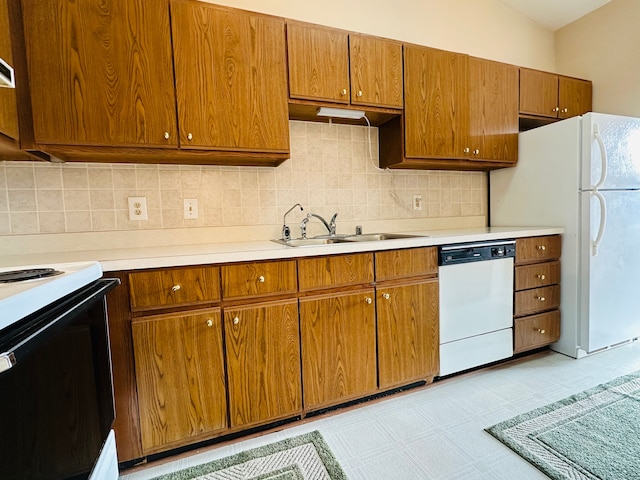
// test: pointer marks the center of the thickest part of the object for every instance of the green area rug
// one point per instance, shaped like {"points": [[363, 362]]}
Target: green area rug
{"points": [[593, 435], [305, 457]]}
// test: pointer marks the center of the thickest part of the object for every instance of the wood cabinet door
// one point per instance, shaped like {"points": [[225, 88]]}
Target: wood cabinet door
{"points": [[376, 71], [406, 262], [536, 331], [100, 72], [335, 271], [493, 110], [231, 82], [258, 279], [318, 63], [338, 336], [8, 106], [263, 362], [436, 104], [574, 97], [408, 333], [538, 249], [180, 377], [538, 93]]}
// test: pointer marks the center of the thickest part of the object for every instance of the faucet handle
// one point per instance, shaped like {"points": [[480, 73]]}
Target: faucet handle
{"points": [[332, 224]]}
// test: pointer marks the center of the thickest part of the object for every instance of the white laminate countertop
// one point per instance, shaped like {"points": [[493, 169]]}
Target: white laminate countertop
{"points": [[170, 256]]}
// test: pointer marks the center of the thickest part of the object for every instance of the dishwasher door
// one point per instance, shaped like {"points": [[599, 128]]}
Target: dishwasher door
{"points": [[476, 311]]}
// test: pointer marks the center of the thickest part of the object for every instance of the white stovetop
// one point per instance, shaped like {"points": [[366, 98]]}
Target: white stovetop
{"points": [[19, 299]]}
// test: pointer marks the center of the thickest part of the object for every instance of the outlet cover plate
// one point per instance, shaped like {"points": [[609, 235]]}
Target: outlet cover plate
{"points": [[137, 208]]}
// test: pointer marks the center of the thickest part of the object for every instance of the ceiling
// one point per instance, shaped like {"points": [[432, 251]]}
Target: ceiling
{"points": [[555, 14]]}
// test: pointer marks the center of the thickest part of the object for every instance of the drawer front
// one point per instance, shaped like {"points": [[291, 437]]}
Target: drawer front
{"points": [[537, 300], [410, 262], [258, 279], [536, 331], [335, 271], [171, 287], [538, 249], [537, 275]]}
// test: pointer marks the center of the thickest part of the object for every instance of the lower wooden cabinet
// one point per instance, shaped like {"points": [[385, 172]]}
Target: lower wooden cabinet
{"points": [[536, 331], [338, 333], [262, 344], [180, 378], [408, 333]]}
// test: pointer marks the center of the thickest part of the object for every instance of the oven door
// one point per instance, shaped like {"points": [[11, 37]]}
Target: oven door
{"points": [[56, 391]]}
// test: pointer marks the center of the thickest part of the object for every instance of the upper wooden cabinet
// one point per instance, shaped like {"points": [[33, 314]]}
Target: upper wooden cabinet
{"points": [[231, 78], [101, 72], [335, 66], [553, 96]]}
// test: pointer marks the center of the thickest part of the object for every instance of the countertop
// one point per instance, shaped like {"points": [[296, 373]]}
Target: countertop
{"points": [[170, 256]]}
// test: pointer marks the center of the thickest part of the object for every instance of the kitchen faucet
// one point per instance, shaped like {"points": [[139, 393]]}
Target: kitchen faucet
{"points": [[286, 232], [330, 226]]}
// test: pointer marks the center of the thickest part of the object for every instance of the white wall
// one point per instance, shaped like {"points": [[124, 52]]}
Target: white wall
{"points": [[483, 28], [603, 47]]}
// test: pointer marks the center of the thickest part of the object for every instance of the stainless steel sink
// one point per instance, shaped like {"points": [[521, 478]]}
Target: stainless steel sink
{"points": [[328, 240], [306, 242], [375, 237]]}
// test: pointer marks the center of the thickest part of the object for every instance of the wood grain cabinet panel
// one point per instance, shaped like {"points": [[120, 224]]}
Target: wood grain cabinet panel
{"points": [[263, 362], [537, 275], [536, 300], [231, 78], [335, 271], [180, 378], [8, 105], [173, 287], [338, 334], [101, 72], [536, 331], [538, 249], [574, 97], [258, 279], [408, 333], [410, 262], [538, 93]]}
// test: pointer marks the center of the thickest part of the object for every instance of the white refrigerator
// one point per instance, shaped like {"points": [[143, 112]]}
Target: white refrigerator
{"points": [[583, 174]]}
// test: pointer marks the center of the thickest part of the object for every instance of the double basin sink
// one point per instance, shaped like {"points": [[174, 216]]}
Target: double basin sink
{"points": [[327, 240]]}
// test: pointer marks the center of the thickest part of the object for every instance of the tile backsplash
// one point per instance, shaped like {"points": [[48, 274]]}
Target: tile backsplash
{"points": [[332, 169]]}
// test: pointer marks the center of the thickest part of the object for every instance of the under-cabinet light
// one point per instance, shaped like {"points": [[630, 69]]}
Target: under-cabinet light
{"points": [[340, 113]]}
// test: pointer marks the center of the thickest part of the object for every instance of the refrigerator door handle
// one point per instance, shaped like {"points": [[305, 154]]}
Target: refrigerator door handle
{"points": [[603, 221], [603, 156]]}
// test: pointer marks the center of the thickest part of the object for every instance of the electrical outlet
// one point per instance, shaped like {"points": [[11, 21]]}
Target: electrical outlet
{"points": [[190, 208], [417, 202], [137, 208]]}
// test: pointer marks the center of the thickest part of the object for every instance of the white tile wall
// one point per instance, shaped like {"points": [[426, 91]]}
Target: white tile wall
{"points": [[332, 169]]}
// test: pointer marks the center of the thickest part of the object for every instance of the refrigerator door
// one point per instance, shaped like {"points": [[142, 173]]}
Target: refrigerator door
{"points": [[610, 152], [609, 275]]}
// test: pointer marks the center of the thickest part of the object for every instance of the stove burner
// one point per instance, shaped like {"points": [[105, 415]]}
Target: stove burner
{"points": [[30, 274]]}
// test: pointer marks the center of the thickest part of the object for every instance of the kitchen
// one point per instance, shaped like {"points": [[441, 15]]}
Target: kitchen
{"points": [[44, 209]]}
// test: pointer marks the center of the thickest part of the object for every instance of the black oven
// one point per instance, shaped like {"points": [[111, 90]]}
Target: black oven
{"points": [[56, 392]]}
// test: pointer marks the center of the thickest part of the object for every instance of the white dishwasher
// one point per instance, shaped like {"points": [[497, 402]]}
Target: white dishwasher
{"points": [[476, 304]]}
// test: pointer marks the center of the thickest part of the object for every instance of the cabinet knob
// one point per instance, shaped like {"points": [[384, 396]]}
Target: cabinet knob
{"points": [[476, 152], [557, 109], [467, 150], [189, 136], [236, 320], [209, 323], [175, 288], [565, 110], [541, 330], [386, 296], [359, 93], [343, 92], [261, 279], [166, 135], [541, 276], [542, 299], [368, 300], [542, 247]]}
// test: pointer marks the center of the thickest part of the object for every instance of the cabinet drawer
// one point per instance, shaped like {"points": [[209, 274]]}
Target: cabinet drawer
{"points": [[410, 262], [537, 249], [536, 331], [537, 300], [258, 279], [335, 271], [537, 275], [171, 287]]}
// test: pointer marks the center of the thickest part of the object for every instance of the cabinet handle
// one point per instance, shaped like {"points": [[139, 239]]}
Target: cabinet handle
{"points": [[261, 279], [166, 135], [359, 93], [386, 296], [343, 92], [542, 247], [175, 288], [368, 300], [542, 299], [541, 330], [236, 320], [467, 150], [189, 136], [209, 323], [541, 276]]}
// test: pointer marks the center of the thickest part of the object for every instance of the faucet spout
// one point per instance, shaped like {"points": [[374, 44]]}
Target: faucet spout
{"points": [[330, 226], [286, 232]]}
